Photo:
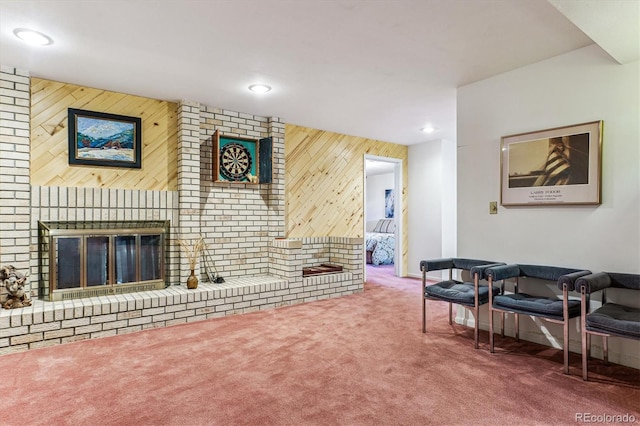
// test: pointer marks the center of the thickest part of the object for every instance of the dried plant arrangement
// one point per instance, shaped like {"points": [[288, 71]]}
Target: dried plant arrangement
{"points": [[192, 251]]}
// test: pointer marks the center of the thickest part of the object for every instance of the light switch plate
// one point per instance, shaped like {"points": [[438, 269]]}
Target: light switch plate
{"points": [[493, 207]]}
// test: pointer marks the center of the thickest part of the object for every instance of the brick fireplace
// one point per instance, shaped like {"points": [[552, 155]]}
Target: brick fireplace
{"points": [[48, 323], [243, 225]]}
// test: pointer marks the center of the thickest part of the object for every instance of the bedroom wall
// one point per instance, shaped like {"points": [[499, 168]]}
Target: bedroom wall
{"points": [[580, 86], [375, 198], [324, 182]]}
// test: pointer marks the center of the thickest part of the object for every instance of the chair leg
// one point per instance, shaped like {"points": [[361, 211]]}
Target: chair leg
{"points": [[490, 329], [502, 324], [476, 314], [424, 300], [450, 313], [585, 338], [424, 315], [585, 354], [517, 327], [605, 344], [565, 345]]}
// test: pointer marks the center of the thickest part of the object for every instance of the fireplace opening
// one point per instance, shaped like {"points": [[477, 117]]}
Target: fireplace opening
{"points": [[84, 259]]}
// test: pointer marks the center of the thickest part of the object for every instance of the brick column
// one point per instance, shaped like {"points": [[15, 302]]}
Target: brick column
{"points": [[347, 251], [188, 227], [15, 190], [276, 191], [285, 261]]}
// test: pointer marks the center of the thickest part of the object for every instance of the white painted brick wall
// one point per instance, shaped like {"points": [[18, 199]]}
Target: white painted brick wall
{"points": [[189, 164], [239, 221], [14, 167]]}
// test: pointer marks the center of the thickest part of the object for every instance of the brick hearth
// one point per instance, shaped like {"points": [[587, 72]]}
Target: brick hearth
{"points": [[52, 323]]}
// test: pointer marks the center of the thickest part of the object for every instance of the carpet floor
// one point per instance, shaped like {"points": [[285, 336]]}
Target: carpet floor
{"points": [[354, 360]]}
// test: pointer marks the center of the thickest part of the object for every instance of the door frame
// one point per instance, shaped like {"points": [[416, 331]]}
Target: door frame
{"points": [[397, 208]]}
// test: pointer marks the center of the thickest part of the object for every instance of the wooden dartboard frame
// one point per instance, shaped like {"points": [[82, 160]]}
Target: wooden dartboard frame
{"points": [[237, 158]]}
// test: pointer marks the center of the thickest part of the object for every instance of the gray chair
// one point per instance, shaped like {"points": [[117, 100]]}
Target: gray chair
{"points": [[470, 295], [551, 309], [610, 319]]}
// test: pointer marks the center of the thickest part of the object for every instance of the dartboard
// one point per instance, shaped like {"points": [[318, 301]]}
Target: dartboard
{"points": [[235, 161]]}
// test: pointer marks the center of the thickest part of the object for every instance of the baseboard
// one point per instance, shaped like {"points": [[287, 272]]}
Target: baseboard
{"points": [[429, 277], [628, 357]]}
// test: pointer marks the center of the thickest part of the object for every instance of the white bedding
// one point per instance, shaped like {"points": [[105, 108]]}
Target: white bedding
{"points": [[382, 246]]}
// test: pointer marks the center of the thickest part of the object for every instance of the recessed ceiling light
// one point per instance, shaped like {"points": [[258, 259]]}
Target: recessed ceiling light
{"points": [[260, 88], [428, 129], [34, 38]]}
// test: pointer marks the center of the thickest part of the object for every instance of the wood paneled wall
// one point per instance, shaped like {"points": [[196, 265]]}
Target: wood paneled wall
{"points": [[49, 138], [324, 182]]}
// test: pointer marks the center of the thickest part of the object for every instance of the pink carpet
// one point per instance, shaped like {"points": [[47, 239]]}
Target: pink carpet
{"points": [[355, 360]]}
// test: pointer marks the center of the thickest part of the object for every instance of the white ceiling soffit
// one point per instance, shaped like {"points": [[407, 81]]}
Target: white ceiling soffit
{"points": [[614, 25]]}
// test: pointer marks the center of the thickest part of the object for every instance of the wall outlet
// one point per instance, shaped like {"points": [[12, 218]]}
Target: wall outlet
{"points": [[493, 207]]}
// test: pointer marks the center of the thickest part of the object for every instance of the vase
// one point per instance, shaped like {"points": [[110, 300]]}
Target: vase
{"points": [[192, 281]]}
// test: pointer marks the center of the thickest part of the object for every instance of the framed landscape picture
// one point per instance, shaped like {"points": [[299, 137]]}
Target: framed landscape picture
{"points": [[552, 167], [101, 139]]}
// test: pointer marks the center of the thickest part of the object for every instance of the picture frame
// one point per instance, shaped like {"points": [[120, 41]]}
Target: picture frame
{"points": [[558, 166], [389, 203], [105, 140]]}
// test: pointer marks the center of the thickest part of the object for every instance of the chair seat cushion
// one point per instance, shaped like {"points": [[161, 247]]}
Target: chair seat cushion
{"points": [[617, 319], [535, 305], [459, 292]]}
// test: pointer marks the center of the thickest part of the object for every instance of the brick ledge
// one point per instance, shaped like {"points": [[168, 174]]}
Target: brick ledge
{"points": [[52, 323]]}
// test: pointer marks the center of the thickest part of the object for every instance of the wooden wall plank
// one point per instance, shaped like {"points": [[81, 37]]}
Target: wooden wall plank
{"points": [[49, 138], [324, 183]]}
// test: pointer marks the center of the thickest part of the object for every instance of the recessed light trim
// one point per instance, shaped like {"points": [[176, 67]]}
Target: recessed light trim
{"points": [[428, 129], [32, 37], [260, 88]]}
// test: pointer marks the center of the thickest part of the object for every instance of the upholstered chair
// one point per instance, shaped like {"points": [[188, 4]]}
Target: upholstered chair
{"points": [[610, 319], [549, 308], [470, 295]]}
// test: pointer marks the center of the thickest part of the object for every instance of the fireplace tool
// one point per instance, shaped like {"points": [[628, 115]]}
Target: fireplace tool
{"points": [[214, 277]]}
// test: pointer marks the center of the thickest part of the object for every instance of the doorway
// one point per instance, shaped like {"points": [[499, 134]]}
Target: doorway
{"points": [[382, 208]]}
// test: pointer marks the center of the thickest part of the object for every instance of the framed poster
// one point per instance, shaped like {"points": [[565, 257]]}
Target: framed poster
{"points": [[552, 167], [107, 140]]}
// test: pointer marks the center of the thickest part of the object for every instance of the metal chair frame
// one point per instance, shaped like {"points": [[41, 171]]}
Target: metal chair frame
{"points": [[585, 301], [564, 322], [475, 310]]}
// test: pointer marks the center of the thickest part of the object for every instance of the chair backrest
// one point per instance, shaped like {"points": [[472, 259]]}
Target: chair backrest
{"points": [[452, 263], [551, 273], [467, 264], [620, 280]]}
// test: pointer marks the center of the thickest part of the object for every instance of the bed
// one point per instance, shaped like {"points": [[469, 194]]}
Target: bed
{"points": [[381, 243]]}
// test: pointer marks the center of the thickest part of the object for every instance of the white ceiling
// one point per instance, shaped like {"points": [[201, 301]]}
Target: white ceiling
{"points": [[380, 69]]}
